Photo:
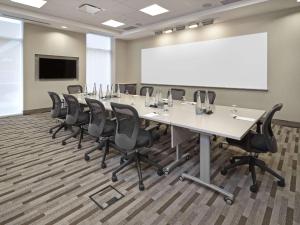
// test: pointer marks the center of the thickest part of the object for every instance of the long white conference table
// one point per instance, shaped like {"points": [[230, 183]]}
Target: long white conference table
{"points": [[184, 123]]}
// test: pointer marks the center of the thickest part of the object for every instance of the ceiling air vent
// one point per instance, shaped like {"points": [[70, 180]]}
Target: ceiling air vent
{"points": [[207, 22], [129, 28], [87, 8], [181, 27], [226, 2]]}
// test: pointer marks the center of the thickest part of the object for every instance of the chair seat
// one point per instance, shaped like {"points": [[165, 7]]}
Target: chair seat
{"points": [[252, 142]]}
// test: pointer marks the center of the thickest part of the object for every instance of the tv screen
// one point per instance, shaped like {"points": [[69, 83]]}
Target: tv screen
{"points": [[57, 67]]}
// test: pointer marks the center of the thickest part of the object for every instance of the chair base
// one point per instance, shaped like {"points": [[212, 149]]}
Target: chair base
{"points": [[137, 158], [252, 161], [59, 127], [74, 134]]}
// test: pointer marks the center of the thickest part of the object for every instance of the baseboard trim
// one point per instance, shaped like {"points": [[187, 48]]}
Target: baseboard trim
{"points": [[287, 123], [35, 111]]}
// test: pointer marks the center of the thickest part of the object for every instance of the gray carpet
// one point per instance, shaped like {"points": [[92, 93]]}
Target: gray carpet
{"points": [[43, 182]]}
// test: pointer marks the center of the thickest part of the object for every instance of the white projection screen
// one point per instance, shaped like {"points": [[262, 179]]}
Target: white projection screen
{"points": [[235, 62]]}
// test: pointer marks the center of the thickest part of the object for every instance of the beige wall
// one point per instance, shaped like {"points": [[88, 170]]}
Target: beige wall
{"points": [[47, 41], [283, 59]]}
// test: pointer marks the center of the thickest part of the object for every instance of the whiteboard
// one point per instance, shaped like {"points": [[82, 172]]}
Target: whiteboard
{"points": [[235, 62]]}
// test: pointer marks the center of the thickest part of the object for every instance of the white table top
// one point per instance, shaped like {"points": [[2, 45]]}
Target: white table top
{"points": [[220, 123]]}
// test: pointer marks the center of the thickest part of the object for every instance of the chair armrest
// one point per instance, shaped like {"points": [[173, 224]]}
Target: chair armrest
{"points": [[113, 119], [151, 127]]}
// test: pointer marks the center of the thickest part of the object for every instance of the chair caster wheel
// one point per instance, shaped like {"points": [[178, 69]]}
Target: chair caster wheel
{"points": [[224, 172], [79, 147], [281, 183], [86, 157], [141, 186], [181, 178], [188, 157], [53, 136], [232, 161], [228, 200], [63, 143], [114, 178], [166, 172], [103, 165], [160, 172], [254, 188], [50, 131], [122, 161]]}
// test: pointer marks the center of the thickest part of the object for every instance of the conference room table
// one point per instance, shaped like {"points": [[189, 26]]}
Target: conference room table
{"points": [[225, 121]]}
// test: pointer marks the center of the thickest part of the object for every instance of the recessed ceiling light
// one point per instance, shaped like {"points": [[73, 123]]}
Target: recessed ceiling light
{"points": [[194, 25], [154, 10], [32, 3], [64, 27], [168, 31], [298, 0], [90, 9], [112, 23]]}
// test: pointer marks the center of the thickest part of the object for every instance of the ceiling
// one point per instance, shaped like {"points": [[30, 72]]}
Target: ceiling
{"points": [[59, 13]]}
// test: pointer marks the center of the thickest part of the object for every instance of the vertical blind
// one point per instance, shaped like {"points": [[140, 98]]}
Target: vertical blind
{"points": [[98, 61], [11, 66]]}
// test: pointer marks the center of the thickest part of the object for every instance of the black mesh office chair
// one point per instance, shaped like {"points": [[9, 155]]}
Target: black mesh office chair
{"points": [[211, 96], [177, 94], [75, 89], [76, 117], [130, 88], [143, 90], [100, 127], [130, 139], [57, 112], [256, 143]]}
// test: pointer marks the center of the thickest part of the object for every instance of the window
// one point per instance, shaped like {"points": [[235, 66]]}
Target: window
{"points": [[98, 61], [11, 66]]}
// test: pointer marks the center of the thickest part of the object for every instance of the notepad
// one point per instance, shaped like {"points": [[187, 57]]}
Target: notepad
{"points": [[151, 114], [244, 118]]}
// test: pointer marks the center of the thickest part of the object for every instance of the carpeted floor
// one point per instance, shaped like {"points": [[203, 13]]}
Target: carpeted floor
{"points": [[43, 182]]}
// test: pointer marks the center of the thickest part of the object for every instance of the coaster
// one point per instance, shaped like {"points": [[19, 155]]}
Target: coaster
{"points": [[106, 197]]}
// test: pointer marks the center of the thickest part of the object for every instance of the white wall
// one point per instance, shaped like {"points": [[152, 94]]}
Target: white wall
{"points": [[283, 59], [47, 41]]}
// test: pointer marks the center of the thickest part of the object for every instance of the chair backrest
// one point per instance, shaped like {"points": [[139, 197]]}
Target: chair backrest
{"points": [[131, 88], [211, 96], [74, 89], [97, 117], [56, 104], [143, 90], [270, 139], [73, 109], [177, 94], [128, 126]]}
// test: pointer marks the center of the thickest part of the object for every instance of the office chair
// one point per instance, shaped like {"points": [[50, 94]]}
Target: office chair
{"points": [[100, 127], [256, 143], [76, 117], [131, 88], [143, 90], [211, 96], [177, 94], [57, 112], [75, 89], [130, 139]]}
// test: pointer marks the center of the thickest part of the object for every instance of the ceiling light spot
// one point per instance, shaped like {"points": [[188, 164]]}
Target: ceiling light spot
{"points": [[32, 3], [154, 10], [90, 9], [113, 23]]}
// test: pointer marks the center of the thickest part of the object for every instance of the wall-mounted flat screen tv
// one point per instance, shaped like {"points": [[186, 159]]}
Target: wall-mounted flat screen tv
{"points": [[56, 67]]}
